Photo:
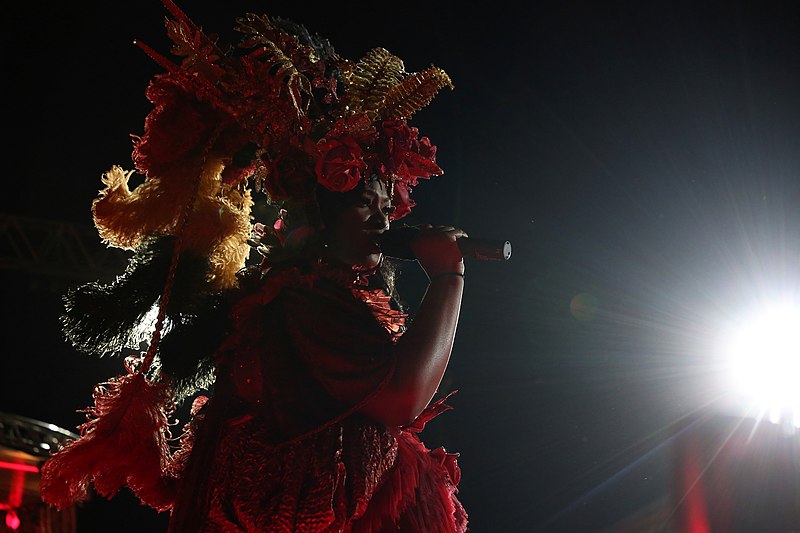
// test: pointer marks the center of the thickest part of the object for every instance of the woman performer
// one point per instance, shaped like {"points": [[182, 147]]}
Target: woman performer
{"points": [[317, 386]]}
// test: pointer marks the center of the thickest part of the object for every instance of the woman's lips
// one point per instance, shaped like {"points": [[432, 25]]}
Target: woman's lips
{"points": [[374, 239]]}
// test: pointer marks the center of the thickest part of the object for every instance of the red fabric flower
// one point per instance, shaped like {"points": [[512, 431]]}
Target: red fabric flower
{"points": [[340, 164], [406, 155], [401, 201]]}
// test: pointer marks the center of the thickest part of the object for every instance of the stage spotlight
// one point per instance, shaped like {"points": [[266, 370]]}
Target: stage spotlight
{"points": [[761, 357]]}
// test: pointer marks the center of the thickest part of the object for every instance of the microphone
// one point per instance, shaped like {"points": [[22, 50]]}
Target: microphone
{"points": [[396, 243]]}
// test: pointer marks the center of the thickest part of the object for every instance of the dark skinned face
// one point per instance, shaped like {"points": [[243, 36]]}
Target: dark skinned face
{"points": [[355, 232]]}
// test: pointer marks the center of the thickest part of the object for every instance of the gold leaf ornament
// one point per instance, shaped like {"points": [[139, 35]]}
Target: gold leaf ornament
{"points": [[373, 77], [414, 92]]}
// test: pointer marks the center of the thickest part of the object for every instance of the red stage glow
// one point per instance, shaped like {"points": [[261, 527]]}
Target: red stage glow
{"points": [[18, 466]]}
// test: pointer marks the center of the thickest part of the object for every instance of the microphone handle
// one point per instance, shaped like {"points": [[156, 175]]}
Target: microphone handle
{"points": [[484, 249], [397, 243]]}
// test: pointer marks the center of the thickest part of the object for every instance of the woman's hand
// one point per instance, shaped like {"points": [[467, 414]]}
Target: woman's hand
{"points": [[436, 249]]}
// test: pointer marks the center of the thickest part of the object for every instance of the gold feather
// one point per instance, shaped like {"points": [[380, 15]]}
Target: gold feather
{"points": [[218, 226], [374, 75], [414, 93]]}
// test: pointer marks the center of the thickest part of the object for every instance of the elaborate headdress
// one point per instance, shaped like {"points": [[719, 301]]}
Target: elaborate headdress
{"points": [[281, 114]]}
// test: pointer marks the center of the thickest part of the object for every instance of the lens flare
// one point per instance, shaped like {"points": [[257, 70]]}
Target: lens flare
{"points": [[763, 364]]}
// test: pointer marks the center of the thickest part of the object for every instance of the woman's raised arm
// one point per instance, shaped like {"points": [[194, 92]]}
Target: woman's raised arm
{"points": [[423, 351]]}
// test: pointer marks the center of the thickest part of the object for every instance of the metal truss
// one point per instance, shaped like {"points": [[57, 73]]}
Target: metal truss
{"points": [[56, 249]]}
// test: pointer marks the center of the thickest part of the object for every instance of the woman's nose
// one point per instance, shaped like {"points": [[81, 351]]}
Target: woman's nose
{"points": [[379, 220]]}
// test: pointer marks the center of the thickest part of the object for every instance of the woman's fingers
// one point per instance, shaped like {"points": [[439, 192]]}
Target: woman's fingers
{"points": [[449, 230], [436, 250]]}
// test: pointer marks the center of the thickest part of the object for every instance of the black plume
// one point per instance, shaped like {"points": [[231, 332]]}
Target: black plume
{"points": [[103, 319]]}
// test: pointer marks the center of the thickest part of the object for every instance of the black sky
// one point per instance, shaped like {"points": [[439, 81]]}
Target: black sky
{"points": [[641, 156]]}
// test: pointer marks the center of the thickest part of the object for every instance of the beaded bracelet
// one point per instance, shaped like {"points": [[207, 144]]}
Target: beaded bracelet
{"points": [[443, 274]]}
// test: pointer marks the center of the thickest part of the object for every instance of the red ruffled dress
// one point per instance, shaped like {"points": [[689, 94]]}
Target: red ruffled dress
{"points": [[281, 447]]}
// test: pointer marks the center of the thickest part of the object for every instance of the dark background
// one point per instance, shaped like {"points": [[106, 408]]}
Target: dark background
{"points": [[641, 157]]}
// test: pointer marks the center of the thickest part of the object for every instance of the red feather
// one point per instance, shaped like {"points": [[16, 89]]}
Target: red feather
{"points": [[123, 442]]}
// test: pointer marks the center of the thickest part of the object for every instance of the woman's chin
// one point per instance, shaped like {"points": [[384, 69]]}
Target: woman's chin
{"points": [[364, 259]]}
